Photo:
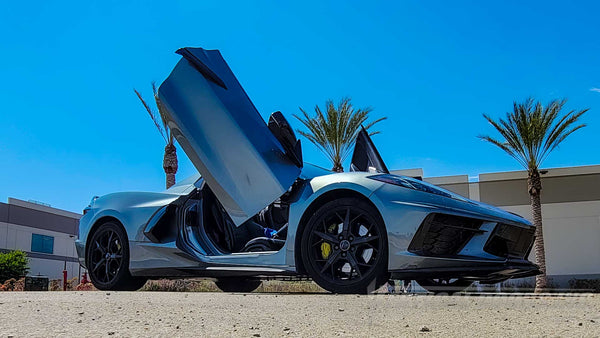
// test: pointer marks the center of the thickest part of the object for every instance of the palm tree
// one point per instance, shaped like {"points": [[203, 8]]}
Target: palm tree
{"points": [[170, 156], [334, 131], [531, 132]]}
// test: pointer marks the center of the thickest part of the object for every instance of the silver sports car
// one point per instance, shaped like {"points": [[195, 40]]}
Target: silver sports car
{"points": [[257, 211]]}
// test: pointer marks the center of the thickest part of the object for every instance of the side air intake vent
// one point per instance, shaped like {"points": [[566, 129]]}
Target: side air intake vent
{"points": [[162, 226], [510, 241], [444, 235]]}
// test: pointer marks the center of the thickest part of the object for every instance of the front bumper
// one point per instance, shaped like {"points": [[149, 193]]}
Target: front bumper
{"points": [[488, 273]]}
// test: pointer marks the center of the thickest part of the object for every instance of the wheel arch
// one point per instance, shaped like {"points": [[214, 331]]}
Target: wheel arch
{"points": [[100, 221], [326, 197]]}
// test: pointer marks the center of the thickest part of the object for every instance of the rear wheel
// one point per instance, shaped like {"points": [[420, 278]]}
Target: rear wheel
{"points": [[344, 247], [235, 284], [444, 285], [107, 256]]}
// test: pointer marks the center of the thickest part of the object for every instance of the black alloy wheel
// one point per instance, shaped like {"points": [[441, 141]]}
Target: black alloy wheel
{"points": [[344, 247], [108, 259], [444, 285], [237, 284]]}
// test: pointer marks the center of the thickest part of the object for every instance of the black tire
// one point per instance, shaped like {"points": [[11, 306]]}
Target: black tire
{"points": [[444, 285], [344, 247], [107, 259], [237, 284]]}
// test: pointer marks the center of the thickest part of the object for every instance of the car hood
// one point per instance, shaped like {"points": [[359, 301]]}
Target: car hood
{"points": [[454, 200]]}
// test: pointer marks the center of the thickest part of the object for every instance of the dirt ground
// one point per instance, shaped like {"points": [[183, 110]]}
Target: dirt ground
{"points": [[162, 314]]}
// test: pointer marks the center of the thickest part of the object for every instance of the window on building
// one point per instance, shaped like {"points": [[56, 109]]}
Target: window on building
{"points": [[41, 243]]}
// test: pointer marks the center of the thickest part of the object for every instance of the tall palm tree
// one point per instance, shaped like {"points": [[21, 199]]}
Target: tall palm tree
{"points": [[170, 165], [530, 133], [334, 131]]}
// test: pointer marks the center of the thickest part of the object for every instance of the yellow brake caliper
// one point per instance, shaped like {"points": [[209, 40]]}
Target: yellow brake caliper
{"points": [[325, 250], [326, 247]]}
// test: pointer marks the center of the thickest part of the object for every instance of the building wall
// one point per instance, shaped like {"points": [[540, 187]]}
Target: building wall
{"points": [[571, 236], [40, 216], [19, 220], [555, 189], [19, 237], [458, 184]]}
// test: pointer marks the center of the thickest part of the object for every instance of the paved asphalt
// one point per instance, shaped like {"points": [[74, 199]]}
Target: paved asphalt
{"points": [[159, 314]]}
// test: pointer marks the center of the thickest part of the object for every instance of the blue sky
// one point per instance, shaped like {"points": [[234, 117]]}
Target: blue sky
{"points": [[73, 128]]}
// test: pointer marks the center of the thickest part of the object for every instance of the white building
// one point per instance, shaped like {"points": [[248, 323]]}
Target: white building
{"points": [[46, 234]]}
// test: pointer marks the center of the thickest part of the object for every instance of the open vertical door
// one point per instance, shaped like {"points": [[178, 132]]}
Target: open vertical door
{"points": [[222, 133]]}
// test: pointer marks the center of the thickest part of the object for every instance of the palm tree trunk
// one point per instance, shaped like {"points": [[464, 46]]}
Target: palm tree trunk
{"points": [[170, 164], [337, 167], [534, 184]]}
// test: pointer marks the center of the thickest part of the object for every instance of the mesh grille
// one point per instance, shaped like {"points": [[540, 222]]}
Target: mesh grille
{"points": [[510, 241], [443, 235]]}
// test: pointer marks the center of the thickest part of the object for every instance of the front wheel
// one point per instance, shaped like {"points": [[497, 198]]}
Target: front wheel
{"points": [[444, 285], [234, 284], [344, 247], [107, 256]]}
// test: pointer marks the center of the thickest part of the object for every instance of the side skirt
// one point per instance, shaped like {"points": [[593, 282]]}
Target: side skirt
{"points": [[216, 272]]}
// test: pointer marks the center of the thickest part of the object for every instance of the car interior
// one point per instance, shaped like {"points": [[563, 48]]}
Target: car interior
{"points": [[208, 229], [266, 231]]}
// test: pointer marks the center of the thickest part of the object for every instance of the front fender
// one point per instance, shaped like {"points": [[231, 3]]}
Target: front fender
{"points": [[310, 193]]}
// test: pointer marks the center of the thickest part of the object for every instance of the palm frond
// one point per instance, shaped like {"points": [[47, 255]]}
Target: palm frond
{"points": [[532, 131], [506, 147], [153, 116], [334, 129], [162, 112]]}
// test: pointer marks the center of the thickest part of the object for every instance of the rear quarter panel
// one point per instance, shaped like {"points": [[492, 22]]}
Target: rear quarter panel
{"points": [[131, 209]]}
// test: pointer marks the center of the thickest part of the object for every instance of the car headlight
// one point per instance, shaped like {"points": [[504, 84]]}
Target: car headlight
{"points": [[410, 184]]}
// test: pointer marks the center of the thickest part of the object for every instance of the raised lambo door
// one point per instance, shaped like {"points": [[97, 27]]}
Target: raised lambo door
{"points": [[223, 134]]}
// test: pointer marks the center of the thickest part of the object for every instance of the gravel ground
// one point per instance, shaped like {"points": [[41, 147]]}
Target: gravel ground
{"points": [[269, 315]]}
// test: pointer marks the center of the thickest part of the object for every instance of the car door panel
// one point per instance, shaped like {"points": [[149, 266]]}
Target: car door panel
{"points": [[220, 130]]}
